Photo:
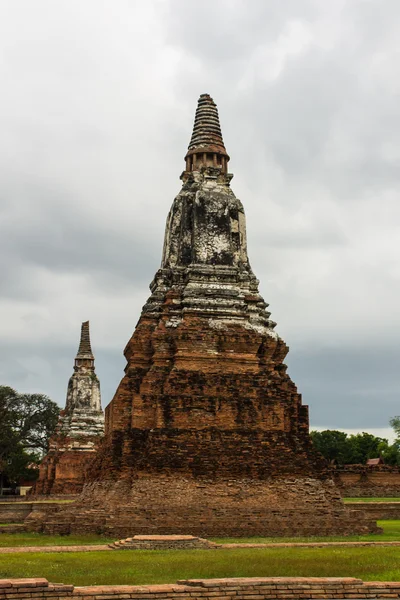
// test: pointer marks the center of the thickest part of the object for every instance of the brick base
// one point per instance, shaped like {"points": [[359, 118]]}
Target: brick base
{"points": [[296, 506]]}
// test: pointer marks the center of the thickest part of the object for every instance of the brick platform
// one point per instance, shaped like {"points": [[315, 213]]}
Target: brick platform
{"points": [[162, 542], [170, 505]]}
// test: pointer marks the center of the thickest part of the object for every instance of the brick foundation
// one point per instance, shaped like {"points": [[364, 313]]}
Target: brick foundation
{"points": [[271, 588], [170, 505]]}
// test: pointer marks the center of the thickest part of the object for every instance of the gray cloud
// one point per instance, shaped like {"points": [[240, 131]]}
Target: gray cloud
{"points": [[358, 388], [97, 105]]}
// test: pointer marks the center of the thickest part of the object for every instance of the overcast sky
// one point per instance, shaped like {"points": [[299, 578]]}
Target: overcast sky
{"points": [[96, 109]]}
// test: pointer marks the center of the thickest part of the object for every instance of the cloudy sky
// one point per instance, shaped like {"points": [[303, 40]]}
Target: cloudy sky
{"points": [[96, 108]]}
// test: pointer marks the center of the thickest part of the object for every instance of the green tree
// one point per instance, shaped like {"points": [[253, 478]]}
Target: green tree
{"points": [[395, 425], [26, 423], [354, 449], [390, 453], [394, 451], [364, 446], [333, 445]]}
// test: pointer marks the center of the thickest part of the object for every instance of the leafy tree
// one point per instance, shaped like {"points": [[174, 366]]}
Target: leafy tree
{"points": [[390, 453], [333, 445], [394, 456], [32, 417], [26, 423], [395, 425], [364, 446], [355, 449]]}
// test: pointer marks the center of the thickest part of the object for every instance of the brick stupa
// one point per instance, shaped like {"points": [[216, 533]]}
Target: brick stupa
{"points": [[79, 429], [206, 434]]}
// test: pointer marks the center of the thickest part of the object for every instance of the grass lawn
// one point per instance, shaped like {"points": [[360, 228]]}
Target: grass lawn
{"points": [[37, 502], [391, 534], [40, 539], [371, 499], [146, 567]]}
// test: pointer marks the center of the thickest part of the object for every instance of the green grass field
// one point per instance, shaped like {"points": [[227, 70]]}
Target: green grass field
{"points": [[37, 502], [146, 567], [371, 499], [40, 539], [391, 533]]}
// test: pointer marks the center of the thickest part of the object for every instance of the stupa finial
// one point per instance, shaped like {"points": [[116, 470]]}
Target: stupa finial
{"points": [[206, 147], [85, 349]]}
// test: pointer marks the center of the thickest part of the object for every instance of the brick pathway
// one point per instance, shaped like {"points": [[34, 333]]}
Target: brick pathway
{"points": [[93, 548], [309, 544]]}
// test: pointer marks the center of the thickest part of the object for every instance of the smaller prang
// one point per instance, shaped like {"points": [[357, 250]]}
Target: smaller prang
{"points": [[79, 430]]}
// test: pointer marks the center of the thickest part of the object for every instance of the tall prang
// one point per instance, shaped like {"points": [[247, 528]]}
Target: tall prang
{"points": [[207, 434], [79, 430]]}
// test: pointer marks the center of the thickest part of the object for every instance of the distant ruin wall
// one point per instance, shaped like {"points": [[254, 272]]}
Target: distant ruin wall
{"points": [[379, 511], [360, 481]]}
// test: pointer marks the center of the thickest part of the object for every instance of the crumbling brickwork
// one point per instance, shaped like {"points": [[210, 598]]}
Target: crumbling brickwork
{"points": [[79, 430], [207, 434]]}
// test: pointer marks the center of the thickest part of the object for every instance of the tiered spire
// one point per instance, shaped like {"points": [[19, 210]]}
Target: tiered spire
{"points": [[85, 349], [83, 388], [206, 147]]}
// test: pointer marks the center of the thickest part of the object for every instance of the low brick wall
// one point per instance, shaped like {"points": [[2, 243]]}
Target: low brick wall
{"points": [[272, 588], [14, 512], [17, 512], [360, 481], [12, 528], [377, 510]]}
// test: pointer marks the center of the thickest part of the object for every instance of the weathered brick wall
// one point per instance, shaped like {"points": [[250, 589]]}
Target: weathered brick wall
{"points": [[360, 481], [271, 588], [63, 469], [220, 447], [17, 512]]}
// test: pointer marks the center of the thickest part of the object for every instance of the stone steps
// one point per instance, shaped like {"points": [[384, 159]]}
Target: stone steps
{"points": [[162, 542]]}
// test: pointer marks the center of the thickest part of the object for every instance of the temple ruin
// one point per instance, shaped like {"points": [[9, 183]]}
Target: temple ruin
{"points": [[207, 434], [79, 429]]}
